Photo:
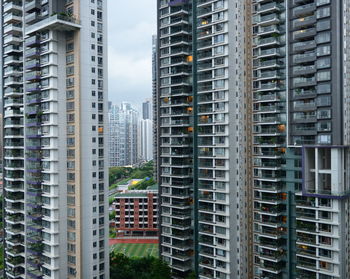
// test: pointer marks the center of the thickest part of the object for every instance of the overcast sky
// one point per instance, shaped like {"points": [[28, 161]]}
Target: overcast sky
{"points": [[131, 25]]}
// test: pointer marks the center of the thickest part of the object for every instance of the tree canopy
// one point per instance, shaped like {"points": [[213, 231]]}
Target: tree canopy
{"points": [[123, 267]]}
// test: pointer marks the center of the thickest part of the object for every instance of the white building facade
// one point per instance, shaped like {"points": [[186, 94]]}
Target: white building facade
{"points": [[55, 167]]}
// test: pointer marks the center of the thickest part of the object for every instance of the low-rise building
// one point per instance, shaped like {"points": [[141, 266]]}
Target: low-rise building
{"points": [[136, 212]]}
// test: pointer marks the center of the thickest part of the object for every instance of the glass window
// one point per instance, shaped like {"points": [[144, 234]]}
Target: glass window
{"points": [[218, 16], [323, 12], [219, 72], [323, 25], [325, 253], [219, 39], [219, 50], [219, 61], [324, 126], [323, 37], [324, 114], [324, 100], [219, 84], [324, 139], [323, 76], [324, 62], [322, 2], [324, 88], [323, 50], [218, 4], [219, 27]]}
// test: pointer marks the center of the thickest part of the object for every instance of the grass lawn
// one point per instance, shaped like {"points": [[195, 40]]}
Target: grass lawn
{"points": [[136, 249]]}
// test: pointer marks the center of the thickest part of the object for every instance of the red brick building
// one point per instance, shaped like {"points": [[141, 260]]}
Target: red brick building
{"points": [[136, 213]]}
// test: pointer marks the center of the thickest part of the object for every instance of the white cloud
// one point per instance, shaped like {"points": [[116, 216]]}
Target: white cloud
{"points": [[131, 25], [130, 69]]}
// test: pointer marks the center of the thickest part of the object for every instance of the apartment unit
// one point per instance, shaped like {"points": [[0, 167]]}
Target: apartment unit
{"points": [[301, 138], [55, 165], [124, 141], [136, 213], [202, 143]]}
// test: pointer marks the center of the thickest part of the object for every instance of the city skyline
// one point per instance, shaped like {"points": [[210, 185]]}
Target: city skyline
{"points": [[217, 132]]}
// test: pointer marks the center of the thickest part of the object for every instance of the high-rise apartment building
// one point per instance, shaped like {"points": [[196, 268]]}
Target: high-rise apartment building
{"points": [[55, 164], [146, 139], [203, 170], [147, 109], [123, 135], [301, 138], [155, 102], [146, 132], [287, 61]]}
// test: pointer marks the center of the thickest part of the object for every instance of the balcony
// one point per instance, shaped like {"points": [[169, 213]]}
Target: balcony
{"points": [[12, 59], [306, 226], [303, 70], [271, 209], [267, 52], [273, 6], [32, 18], [57, 22], [306, 263], [268, 75], [306, 238], [15, 251], [13, 39], [304, 10], [304, 81], [33, 5], [12, 6], [266, 19], [273, 267], [305, 57], [13, 17], [273, 40], [271, 255], [268, 86], [304, 33], [306, 250], [304, 21], [304, 45], [304, 93]]}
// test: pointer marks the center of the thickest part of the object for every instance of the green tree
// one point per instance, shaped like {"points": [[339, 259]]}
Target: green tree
{"points": [[122, 267], [192, 275]]}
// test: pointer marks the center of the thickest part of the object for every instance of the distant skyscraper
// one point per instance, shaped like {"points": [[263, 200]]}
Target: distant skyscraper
{"points": [[147, 109], [146, 138], [55, 176], [123, 135], [146, 133]]}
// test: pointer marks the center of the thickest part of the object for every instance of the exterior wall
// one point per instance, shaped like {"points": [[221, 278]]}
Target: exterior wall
{"points": [[132, 209]]}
